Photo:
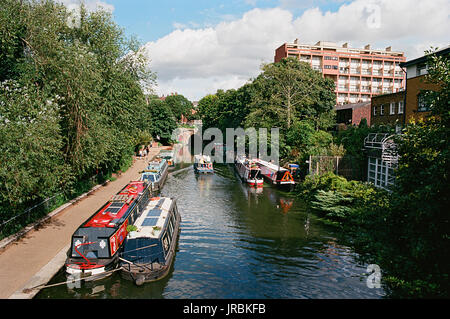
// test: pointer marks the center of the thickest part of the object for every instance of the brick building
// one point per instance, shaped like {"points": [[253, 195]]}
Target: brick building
{"points": [[416, 86], [388, 109], [358, 74], [353, 113]]}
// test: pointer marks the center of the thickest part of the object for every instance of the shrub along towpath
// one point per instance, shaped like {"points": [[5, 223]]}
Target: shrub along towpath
{"points": [[37, 256]]}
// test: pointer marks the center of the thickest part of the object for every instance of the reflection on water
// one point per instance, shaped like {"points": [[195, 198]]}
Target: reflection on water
{"points": [[241, 242]]}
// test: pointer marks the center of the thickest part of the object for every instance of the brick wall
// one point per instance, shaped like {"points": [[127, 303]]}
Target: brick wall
{"points": [[360, 113], [385, 100], [414, 86]]}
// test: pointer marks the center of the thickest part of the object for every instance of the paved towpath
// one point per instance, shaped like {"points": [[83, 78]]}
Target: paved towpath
{"points": [[35, 258]]}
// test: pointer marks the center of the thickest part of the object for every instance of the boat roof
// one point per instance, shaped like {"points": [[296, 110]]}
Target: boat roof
{"points": [[270, 165], [166, 153], [156, 164], [244, 159], [154, 215], [111, 213]]}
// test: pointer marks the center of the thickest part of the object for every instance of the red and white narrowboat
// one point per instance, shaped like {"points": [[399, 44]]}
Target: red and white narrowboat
{"points": [[249, 171], [275, 174], [97, 243]]}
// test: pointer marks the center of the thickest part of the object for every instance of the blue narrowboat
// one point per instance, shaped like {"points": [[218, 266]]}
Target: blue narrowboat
{"points": [[149, 249], [156, 173]]}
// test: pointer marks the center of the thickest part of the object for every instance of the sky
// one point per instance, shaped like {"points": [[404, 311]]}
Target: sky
{"points": [[199, 46]]}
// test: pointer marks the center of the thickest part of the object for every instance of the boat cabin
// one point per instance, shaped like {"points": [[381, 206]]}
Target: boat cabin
{"points": [[155, 173]]}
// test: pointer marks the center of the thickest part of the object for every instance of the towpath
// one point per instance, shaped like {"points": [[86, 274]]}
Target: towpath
{"points": [[37, 256]]}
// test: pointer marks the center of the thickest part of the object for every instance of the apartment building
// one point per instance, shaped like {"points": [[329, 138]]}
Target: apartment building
{"points": [[358, 74]]}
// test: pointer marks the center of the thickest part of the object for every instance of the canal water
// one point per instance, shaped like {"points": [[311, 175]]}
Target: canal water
{"points": [[236, 242]]}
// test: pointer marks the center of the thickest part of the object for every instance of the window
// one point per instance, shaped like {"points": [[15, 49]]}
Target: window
{"points": [[421, 69], [392, 108], [422, 103], [381, 109], [374, 110], [400, 107]]}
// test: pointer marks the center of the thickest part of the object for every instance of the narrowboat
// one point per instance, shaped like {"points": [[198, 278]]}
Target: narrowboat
{"points": [[249, 171], [168, 155], [97, 243], [275, 174], [203, 164], [156, 173], [149, 250]]}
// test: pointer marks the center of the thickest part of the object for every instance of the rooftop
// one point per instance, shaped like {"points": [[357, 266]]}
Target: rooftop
{"points": [[153, 218], [344, 48], [424, 58]]}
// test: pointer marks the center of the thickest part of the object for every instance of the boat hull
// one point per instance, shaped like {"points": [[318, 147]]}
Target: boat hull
{"points": [[244, 173], [202, 170]]}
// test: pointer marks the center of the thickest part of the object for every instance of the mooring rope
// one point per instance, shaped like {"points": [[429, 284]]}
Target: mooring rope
{"points": [[42, 286]]}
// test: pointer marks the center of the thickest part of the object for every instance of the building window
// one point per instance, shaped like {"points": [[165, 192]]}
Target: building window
{"points": [[422, 104], [381, 109], [392, 108], [400, 107], [374, 110], [421, 69]]}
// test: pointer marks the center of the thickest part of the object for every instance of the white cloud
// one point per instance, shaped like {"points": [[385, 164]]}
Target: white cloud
{"points": [[197, 62]]}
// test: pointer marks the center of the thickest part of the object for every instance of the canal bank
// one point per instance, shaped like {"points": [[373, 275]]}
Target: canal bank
{"points": [[35, 257]]}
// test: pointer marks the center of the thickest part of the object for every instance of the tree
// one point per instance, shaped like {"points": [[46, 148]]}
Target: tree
{"points": [[289, 90], [82, 84], [179, 105], [163, 121], [31, 164]]}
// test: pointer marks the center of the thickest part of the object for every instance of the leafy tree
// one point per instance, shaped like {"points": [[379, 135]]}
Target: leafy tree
{"points": [[31, 164], [163, 121], [92, 76], [208, 110], [179, 105], [290, 90]]}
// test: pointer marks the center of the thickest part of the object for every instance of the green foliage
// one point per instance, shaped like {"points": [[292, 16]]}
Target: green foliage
{"points": [[31, 164], [131, 228], [289, 90], [71, 100], [163, 121], [179, 105], [287, 95]]}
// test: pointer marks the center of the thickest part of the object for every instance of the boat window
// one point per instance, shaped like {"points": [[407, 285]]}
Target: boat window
{"points": [[166, 242], [170, 227]]}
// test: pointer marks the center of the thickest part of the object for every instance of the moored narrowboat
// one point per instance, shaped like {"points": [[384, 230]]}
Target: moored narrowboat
{"points": [[156, 173], [168, 155], [96, 244], [203, 164], [275, 174], [149, 250], [249, 171]]}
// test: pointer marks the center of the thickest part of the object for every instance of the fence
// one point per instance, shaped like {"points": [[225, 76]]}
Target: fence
{"points": [[14, 220], [346, 166]]}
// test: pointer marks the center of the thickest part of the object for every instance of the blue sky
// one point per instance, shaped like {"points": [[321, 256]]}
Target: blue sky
{"points": [[151, 19], [199, 46]]}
